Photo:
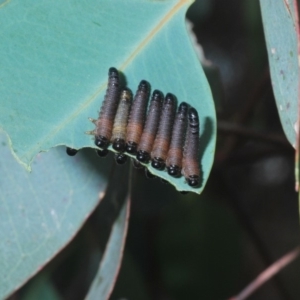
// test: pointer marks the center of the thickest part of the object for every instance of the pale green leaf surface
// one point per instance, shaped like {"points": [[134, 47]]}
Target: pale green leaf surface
{"points": [[281, 38], [41, 211], [55, 58]]}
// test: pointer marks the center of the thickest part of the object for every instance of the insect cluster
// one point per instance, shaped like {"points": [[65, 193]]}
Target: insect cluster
{"points": [[164, 136]]}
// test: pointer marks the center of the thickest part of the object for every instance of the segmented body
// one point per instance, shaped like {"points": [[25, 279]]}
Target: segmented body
{"points": [[137, 114], [190, 162], [151, 126], [163, 137], [121, 119], [104, 124], [175, 153]]}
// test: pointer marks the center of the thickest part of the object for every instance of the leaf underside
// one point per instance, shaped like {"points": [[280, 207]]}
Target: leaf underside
{"points": [[55, 58], [40, 214], [105, 278]]}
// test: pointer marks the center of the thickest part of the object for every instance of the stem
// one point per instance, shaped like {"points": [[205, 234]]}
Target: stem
{"points": [[267, 274]]}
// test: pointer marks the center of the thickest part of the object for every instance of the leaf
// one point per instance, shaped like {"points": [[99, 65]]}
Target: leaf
{"points": [[55, 58], [40, 212], [279, 21], [105, 278]]}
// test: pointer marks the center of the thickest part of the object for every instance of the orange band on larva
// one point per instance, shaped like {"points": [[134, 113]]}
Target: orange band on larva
{"points": [[163, 137], [146, 142], [190, 168], [161, 147], [137, 117], [134, 132], [175, 156], [150, 129], [103, 127]]}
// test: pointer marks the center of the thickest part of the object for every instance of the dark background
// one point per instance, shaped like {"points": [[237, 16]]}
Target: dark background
{"points": [[209, 246]]}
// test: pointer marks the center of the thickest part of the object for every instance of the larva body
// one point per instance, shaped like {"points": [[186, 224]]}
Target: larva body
{"points": [[190, 163], [151, 126], [120, 123], [104, 124], [162, 141], [175, 153], [137, 114]]}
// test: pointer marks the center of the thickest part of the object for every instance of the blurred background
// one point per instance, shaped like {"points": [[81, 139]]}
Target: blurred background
{"points": [[210, 246]]}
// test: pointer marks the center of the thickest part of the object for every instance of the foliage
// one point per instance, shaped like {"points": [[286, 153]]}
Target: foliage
{"points": [[53, 75]]}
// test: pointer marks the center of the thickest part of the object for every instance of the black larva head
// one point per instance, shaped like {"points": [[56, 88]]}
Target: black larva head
{"points": [[193, 118], [144, 86], [193, 180], [120, 158], [170, 99], [119, 145], [102, 153], [143, 156], [131, 147], [174, 171], [113, 72], [157, 95], [101, 142], [158, 163], [183, 107], [71, 151]]}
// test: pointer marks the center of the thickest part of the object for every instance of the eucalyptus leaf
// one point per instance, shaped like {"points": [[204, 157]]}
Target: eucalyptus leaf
{"points": [[41, 211], [118, 198], [279, 21], [105, 278], [55, 59]]}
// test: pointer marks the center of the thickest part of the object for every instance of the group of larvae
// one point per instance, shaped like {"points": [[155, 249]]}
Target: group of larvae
{"points": [[165, 137]]}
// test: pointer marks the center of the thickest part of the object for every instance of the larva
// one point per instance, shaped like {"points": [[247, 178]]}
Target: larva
{"points": [[190, 163], [175, 153], [137, 117], [150, 129], [120, 122], [104, 124], [162, 141]]}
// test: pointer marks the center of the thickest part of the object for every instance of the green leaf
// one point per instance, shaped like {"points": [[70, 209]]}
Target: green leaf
{"points": [[279, 21], [41, 211], [105, 278], [55, 58]]}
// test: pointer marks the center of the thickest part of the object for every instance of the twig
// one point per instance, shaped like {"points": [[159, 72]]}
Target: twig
{"points": [[267, 274]]}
